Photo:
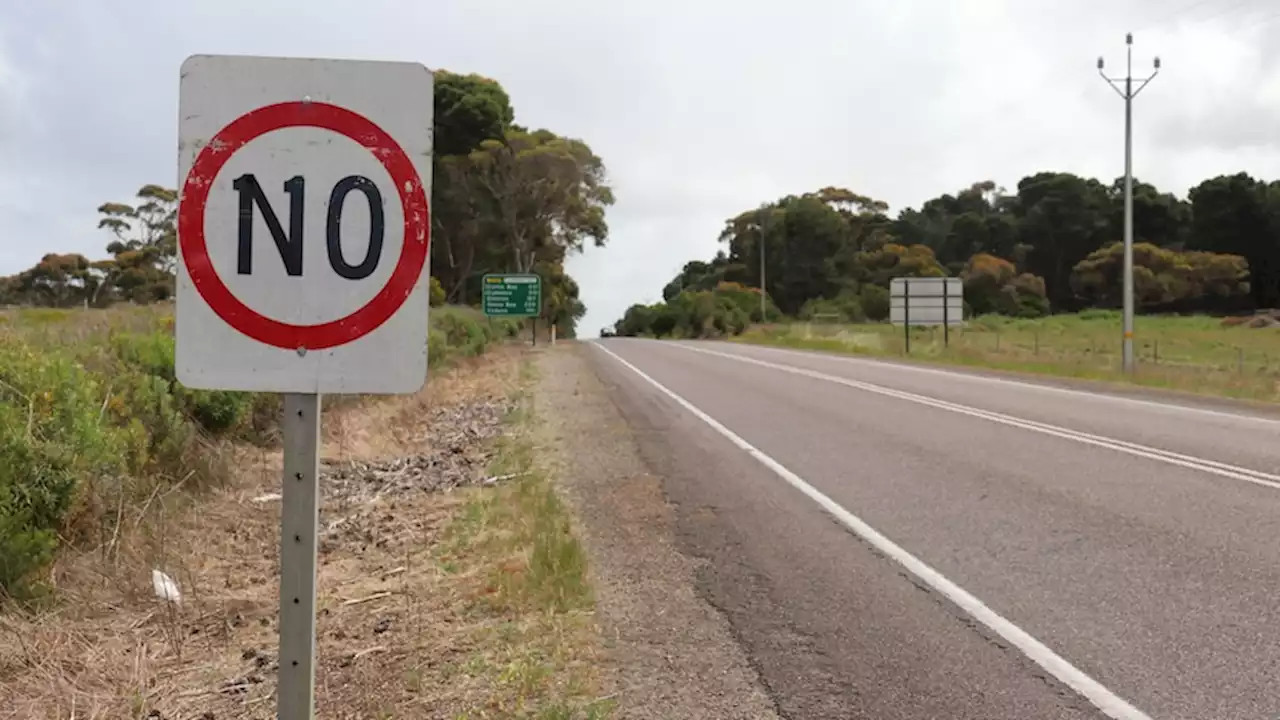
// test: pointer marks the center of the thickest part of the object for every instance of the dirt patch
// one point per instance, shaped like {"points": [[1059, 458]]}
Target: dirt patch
{"points": [[670, 653], [1269, 318], [409, 619]]}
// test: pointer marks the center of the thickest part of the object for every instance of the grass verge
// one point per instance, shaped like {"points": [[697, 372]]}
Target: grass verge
{"points": [[535, 643], [1187, 354]]}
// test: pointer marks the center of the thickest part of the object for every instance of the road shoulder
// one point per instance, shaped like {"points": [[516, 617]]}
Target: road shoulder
{"points": [[673, 655]]}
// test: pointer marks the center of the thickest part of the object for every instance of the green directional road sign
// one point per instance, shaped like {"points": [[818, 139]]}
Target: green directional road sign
{"points": [[512, 295]]}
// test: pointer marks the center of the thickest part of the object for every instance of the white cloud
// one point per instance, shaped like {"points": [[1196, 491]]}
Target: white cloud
{"points": [[699, 109]]}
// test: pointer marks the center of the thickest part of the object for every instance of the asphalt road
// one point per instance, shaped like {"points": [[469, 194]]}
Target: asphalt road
{"points": [[895, 542]]}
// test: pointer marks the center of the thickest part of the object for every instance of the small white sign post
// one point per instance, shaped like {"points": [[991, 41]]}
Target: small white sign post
{"points": [[303, 233], [926, 301]]}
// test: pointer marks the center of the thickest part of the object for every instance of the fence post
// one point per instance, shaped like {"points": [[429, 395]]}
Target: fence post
{"points": [[1035, 334], [1240, 360]]}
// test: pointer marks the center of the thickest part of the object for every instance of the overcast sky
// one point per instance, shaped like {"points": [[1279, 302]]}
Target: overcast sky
{"points": [[699, 108]]}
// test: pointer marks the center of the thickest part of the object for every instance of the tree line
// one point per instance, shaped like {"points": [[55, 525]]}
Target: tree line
{"points": [[1052, 245], [505, 198]]}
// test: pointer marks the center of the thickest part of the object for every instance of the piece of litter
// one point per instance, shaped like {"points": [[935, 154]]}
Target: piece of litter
{"points": [[375, 596], [165, 588], [503, 478], [269, 497]]}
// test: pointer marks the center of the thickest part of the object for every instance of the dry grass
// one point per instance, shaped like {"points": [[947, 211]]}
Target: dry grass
{"points": [[69, 327], [463, 604], [1191, 354]]}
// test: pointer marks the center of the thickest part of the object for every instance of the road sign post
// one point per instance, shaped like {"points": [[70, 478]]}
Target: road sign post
{"points": [[906, 315], [299, 517], [512, 295], [275, 154], [946, 315]]}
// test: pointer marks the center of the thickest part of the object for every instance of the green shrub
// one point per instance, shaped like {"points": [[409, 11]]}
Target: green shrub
{"points": [[437, 347], [437, 296], [24, 547], [847, 308], [875, 302], [152, 421], [747, 299], [465, 331], [51, 438], [152, 353], [690, 314], [637, 320], [1099, 314], [462, 332], [216, 411]]}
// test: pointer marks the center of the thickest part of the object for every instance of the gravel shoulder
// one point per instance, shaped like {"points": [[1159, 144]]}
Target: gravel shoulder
{"points": [[672, 655]]}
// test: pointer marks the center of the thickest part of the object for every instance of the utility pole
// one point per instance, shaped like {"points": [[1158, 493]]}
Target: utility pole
{"points": [[1128, 94], [764, 224]]}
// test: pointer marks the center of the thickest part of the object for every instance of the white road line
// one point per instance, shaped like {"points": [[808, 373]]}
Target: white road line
{"points": [[1234, 472], [1103, 397], [1111, 704]]}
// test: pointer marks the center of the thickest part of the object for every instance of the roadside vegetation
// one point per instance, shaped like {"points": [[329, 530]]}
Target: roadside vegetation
{"points": [[725, 310], [94, 426], [1041, 269], [1194, 354], [452, 583]]}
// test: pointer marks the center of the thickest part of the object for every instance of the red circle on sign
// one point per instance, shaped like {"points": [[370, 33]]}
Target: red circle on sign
{"points": [[195, 250]]}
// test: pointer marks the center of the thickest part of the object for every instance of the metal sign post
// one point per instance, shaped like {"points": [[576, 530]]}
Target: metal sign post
{"points": [[273, 153], [299, 517], [946, 320], [906, 313]]}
